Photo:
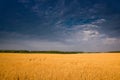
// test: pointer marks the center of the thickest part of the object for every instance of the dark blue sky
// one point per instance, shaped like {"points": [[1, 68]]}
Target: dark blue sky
{"points": [[77, 25]]}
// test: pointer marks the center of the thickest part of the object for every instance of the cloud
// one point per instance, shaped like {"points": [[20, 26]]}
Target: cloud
{"points": [[99, 21], [84, 34], [80, 40], [90, 34], [88, 37], [110, 41], [33, 44], [47, 45], [60, 25]]}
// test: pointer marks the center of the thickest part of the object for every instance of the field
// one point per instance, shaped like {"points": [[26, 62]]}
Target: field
{"points": [[93, 66]]}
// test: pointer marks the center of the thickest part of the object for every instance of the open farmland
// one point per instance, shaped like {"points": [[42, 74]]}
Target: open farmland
{"points": [[99, 66]]}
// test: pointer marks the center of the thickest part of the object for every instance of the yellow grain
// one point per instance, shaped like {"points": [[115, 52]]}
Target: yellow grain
{"points": [[102, 66]]}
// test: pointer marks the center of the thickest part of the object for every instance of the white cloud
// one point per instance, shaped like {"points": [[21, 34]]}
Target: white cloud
{"points": [[33, 44], [90, 34], [99, 21], [78, 39], [73, 43], [88, 26], [83, 32], [87, 37], [110, 41]]}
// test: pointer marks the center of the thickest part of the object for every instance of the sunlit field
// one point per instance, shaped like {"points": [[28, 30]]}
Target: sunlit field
{"points": [[93, 66]]}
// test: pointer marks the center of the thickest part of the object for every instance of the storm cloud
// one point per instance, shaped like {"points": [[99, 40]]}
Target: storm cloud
{"points": [[68, 25]]}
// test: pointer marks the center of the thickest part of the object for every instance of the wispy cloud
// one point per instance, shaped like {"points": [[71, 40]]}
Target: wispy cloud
{"points": [[60, 25]]}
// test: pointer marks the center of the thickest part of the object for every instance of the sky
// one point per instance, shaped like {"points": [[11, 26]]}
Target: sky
{"points": [[64, 25]]}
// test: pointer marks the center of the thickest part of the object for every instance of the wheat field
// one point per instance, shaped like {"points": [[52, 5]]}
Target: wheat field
{"points": [[100, 66]]}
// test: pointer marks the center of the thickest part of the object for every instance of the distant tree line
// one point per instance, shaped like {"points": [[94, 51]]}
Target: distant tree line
{"points": [[55, 52], [27, 51]]}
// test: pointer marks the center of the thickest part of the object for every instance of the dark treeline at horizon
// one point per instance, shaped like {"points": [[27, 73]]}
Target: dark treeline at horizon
{"points": [[36, 51], [61, 52]]}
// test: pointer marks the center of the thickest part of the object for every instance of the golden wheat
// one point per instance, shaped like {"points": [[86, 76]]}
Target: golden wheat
{"points": [[103, 66]]}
